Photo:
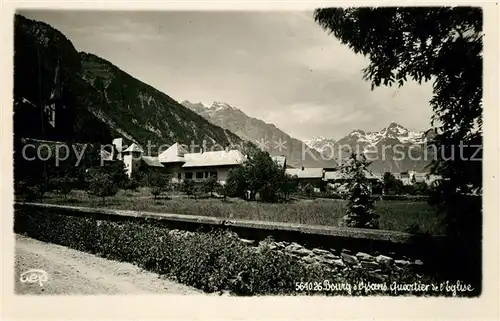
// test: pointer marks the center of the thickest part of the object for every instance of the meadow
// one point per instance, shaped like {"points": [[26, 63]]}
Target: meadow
{"points": [[396, 215]]}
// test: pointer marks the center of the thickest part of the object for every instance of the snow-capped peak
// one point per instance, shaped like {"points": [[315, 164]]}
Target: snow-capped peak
{"points": [[217, 105], [394, 132], [357, 132], [319, 138], [320, 142]]}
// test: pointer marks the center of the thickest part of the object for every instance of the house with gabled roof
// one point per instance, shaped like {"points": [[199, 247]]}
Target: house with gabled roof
{"points": [[183, 165], [304, 175], [210, 164]]}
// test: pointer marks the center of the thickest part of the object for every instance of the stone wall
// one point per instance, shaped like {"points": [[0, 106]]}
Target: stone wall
{"points": [[379, 266], [379, 252]]}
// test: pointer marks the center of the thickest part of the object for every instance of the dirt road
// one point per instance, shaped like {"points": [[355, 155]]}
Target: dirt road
{"points": [[73, 272]]}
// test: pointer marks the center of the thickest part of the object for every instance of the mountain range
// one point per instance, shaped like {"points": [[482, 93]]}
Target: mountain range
{"points": [[262, 134], [392, 149]]}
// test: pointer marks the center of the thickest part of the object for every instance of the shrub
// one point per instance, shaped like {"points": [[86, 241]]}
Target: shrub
{"points": [[101, 184], [63, 184], [158, 182], [31, 190], [214, 256], [210, 185], [268, 272], [308, 189], [139, 177], [188, 187], [117, 172], [176, 186], [422, 188], [392, 185], [131, 185], [288, 188], [156, 191], [236, 185], [199, 190]]}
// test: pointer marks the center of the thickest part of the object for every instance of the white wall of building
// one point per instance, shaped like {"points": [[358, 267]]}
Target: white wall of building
{"points": [[202, 173], [131, 164]]}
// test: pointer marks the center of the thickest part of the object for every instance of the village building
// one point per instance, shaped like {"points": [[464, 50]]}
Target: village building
{"points": [[118, 148], [337, 179], [307, 175], [132, 158], [404, 177], [183, 165], [202, 165], [178, 162], [411, 177]]}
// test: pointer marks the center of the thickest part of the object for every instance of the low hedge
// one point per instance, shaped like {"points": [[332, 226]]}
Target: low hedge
{"points": [[212, 262]]}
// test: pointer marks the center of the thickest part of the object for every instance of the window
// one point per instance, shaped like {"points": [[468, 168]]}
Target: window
{"points": [[188, 175], [213, 174], [178, 176], [199, 175]]}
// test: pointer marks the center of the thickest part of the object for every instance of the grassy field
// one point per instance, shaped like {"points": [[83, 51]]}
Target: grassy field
{"points": [[394, 215]]}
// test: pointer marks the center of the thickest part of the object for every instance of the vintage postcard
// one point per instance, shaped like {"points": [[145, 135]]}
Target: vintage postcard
{"points": [[323, 151]]}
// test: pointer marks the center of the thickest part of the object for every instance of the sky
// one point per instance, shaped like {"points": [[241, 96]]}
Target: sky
{"points": [[280, 67]]}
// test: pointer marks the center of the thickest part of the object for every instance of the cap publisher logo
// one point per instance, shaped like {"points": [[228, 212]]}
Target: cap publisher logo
{"points": [[34, 276]]}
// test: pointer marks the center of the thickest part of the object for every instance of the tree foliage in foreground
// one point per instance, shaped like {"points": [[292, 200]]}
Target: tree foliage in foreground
{"points": [[438, 44]]}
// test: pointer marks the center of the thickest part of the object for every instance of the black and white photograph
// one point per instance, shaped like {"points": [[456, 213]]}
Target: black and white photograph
{"points": [[335, 151]]}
